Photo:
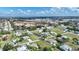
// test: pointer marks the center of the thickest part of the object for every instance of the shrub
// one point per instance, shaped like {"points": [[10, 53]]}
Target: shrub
{"points": [[7, 47], [47, 49], [59, 35]]}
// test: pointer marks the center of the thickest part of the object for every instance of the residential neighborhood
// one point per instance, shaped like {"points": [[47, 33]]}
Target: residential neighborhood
{"points": [[39, 29], [34, 35]]}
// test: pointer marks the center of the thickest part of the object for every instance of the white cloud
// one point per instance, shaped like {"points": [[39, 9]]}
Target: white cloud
{"points": [[53, 10], [11, 10], [21, 11], [43, 12], [75, 9], [28, 10]]}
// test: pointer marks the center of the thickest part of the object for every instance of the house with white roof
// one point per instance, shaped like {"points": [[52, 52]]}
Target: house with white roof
{"points": [[52, 42], [18, 33], [22, 48], [65, 47]]}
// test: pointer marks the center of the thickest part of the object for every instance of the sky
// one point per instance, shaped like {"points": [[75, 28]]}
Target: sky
{"points": [[38, 11]]}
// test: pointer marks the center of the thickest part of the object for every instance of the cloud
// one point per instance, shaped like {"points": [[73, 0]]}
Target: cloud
{"points": [[75, 10], [64, 11], [55, 11], [28, 10], [11, 10], [43, 12], [20, 11], [24, 12]]}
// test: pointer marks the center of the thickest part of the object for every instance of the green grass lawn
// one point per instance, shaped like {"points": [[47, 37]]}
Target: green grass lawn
{"points": [[49, 37], [43, 44], [33, 37], [72, 35], [58, 30], [72, 45]]}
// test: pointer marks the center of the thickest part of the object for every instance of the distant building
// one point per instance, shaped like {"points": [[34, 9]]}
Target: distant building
{"points": [[65, 47]]}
